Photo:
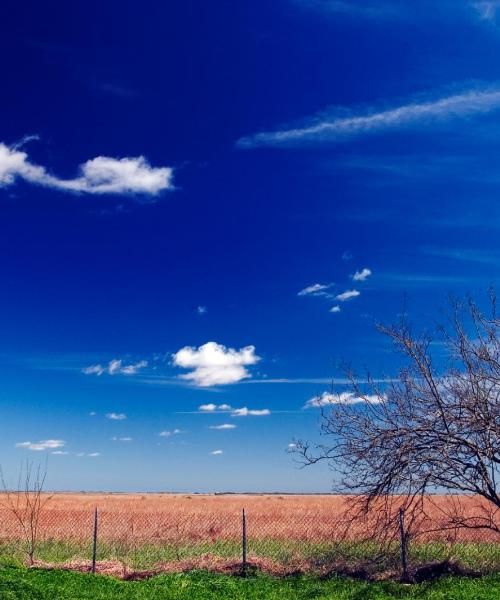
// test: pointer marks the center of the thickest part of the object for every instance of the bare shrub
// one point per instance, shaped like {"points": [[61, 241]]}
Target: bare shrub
{"points": [[26, 503]]}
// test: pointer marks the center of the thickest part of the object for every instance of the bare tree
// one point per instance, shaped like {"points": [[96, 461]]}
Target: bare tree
{"points": [[26, 503], [432, 430]]}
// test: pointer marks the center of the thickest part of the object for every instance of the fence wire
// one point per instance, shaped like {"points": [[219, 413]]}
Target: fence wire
{"points": [[132, 541]]}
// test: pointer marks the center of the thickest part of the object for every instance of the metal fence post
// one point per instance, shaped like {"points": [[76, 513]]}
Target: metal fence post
{"points": [[244, 543], [94, 541], [404, 545]]}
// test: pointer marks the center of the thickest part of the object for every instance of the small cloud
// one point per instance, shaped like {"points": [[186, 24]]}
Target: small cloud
{"points": [[92, 414], [41, 445], [291, 446], [347, 255], [347, 295], [214, 407], [362, 275], [94, 454], [168, 433], [335, 309], [327, 399], [201, 310], [122, 439], [60, 452], [316, 289], [100, 175], [217, 452], [247, 412], [223, 426], [214, 364], [116, 416], [116, 367]]}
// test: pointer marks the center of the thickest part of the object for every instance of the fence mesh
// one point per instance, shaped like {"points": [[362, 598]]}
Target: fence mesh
{"points": [[140, 541]]}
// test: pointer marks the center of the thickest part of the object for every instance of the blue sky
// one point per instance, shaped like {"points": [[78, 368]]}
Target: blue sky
{"points": [[211, 204]]}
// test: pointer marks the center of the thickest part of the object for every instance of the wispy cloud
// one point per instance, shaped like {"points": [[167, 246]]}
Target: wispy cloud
{"points": [[337, 127], [362, 275], [201, 310], [223, 426], [122, 439], [217, 452], [41, 445], [327, 399], [335, 309], [316, 289], [465, 254], [347, 295], [214, 364], [116, 367], [487, 9], [247, 412], [100, 175], [368, 9], [116, 416]]}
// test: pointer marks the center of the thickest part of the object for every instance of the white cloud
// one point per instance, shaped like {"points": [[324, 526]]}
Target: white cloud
{"points": [[362, 275], [116, 367], [247, 412], [217, 452], [317, 289], [94, 454], [116, 416], [327, 399], [201, 310], [214, 364], [100, 175], [224, 426], [60, 452], [347, 295], [335, 309], [168, 433], [41, 445], [337, 128], [291, 446], [122, 439]]}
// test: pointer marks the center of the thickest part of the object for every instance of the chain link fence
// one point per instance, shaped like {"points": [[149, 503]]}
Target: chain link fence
{"points": [[146, 542]]}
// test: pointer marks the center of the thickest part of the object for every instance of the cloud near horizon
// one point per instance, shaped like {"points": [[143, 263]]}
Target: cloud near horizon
{"points": [[100, 175], [42, 445], [214, 364], [116, 416], [247, 412], [338, 127], [328, 399]]}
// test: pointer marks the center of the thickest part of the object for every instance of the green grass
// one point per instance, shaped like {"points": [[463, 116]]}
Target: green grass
{"points": [[30, 584], [481, 557]]}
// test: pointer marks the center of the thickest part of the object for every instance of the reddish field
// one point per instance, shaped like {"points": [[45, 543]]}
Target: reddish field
{"points": [[172, 517]]}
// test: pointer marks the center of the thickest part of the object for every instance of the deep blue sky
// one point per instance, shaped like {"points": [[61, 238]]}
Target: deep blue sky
{"points": [[380, 151]]}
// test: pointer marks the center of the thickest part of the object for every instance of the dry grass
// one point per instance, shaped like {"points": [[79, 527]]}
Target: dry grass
{"points": [[168, 518]]}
